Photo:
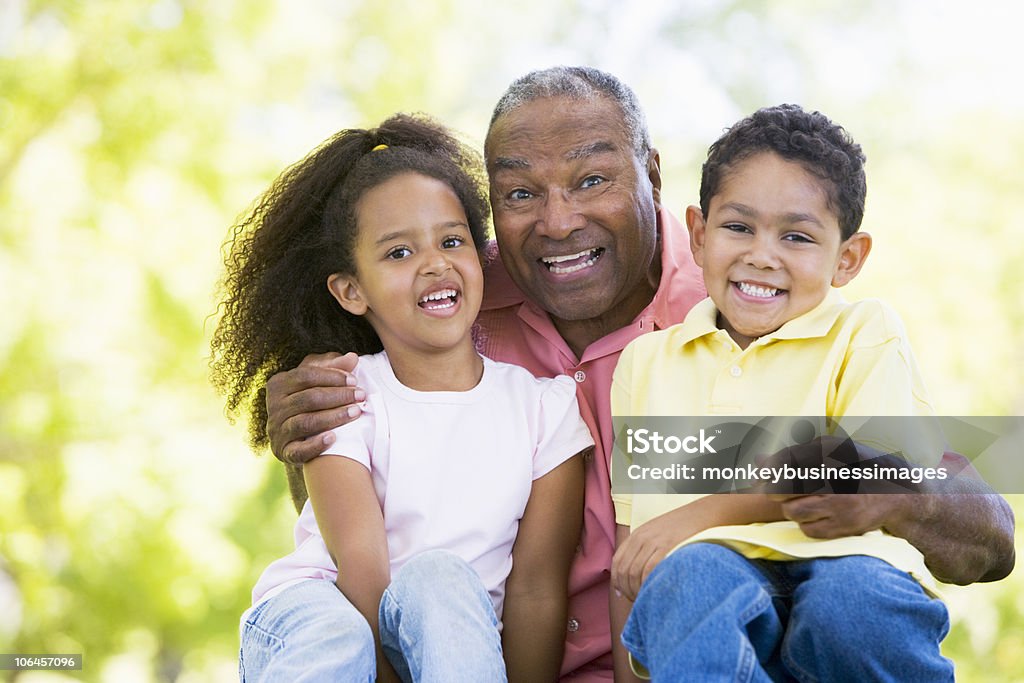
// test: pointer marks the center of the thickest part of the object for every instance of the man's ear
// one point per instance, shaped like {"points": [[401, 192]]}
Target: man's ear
{"points": [[852, 255], [695, 224], [654, 174], [345, 289]]}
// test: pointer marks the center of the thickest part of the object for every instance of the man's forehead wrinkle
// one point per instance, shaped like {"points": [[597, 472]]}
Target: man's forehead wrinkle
{"points": [[591, 149]]}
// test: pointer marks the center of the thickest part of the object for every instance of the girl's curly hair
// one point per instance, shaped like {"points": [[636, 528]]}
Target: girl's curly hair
{"points": [[275, 307]]}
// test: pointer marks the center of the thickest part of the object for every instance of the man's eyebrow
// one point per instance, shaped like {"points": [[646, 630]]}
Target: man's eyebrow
{"points": [[590, 150], [510, 163]]}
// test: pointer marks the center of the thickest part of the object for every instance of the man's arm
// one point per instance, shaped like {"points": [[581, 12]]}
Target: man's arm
{"points": [[536, 592], [306, 402], [961, 526]]}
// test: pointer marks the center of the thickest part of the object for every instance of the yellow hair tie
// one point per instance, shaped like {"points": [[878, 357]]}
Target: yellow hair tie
{"points": [[381, 146]]}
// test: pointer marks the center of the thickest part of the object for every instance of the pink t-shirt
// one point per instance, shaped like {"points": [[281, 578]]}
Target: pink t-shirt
{"points": [[451, 469], [514, 330]]}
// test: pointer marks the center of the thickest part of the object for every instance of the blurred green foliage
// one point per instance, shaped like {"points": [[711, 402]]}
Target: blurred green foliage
{"points": [[133, 522]]}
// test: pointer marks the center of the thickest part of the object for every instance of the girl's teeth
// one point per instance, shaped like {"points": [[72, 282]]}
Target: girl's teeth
{"points": [[757, 290], [438, 296]]}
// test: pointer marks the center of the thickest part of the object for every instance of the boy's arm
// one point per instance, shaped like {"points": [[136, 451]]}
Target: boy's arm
{"points": [[352, 526], [642, 550], [536, 592], [619, 607]]}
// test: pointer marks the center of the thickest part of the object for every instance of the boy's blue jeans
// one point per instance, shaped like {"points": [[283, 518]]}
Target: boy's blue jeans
{"points": [[706, 613], [437, 623]]}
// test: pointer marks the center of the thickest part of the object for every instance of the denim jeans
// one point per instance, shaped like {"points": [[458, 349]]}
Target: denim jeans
{"points": [[437, 624], [706, 613]]}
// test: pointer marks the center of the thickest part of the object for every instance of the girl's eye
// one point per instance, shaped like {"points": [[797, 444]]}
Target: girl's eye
{"points": [[452, 242], [399, 253], [592, 181]]}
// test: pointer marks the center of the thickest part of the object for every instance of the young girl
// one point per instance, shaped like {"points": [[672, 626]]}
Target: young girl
{"points": [[456, 502]]}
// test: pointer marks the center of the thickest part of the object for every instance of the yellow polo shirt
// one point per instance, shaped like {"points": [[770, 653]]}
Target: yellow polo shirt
{"points": [[839, 359]]}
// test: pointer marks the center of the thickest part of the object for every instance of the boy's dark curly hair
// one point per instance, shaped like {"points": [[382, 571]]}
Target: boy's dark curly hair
{"points": [[276, 307], [822, 147]]}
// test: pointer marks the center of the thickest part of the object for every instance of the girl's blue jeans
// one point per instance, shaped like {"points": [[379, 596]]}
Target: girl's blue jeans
{"points": [[437, 624], [706, 613]]}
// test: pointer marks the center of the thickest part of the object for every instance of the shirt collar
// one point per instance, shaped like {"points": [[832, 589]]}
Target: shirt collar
{"points": [[817, 322]]}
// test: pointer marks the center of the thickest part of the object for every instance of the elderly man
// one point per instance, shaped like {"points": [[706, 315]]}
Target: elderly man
{"points": [[590, 259]]}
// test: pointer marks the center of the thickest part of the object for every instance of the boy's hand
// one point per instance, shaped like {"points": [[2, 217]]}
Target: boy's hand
{"points": [[645, 547], [305, 403]]}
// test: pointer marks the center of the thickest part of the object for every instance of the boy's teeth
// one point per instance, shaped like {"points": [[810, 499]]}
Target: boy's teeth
{"points": [[757, 290]]}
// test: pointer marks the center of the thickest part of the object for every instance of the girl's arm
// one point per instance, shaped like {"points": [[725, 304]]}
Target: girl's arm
{"points": [[352, 525], [536, 592], [642, 550]]}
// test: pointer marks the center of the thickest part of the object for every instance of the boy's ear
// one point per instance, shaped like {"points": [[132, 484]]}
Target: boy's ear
{"points": [[695, 224], [345, 289], [852, 255]]}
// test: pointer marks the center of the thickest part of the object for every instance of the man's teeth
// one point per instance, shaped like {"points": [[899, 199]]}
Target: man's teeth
{"points": [[757, 290], [589, 258], [446, 295]]}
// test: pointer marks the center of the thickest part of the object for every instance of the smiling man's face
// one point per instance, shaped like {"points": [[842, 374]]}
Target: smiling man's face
{"points": [[574, 210]]}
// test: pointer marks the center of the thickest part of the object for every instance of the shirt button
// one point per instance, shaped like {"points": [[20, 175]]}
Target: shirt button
{"points": [[735, 371], [574, 625], [580, 376]]}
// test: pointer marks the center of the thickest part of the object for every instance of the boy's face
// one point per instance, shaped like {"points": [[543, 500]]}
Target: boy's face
{"points": [[770, 246]]}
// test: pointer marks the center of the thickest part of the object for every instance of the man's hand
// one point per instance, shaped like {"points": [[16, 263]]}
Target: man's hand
{"points": [[961, 526], [305, 403], [835, 516]]}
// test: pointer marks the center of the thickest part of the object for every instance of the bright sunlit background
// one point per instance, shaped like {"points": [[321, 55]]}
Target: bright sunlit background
{"points": [[133, 518]]}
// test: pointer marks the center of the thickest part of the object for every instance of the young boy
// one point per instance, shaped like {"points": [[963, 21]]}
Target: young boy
{"points": [[745, 597]]}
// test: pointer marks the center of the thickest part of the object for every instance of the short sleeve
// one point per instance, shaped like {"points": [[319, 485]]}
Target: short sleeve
{"points": [[355, 439], [562, 432], [880, 380]]}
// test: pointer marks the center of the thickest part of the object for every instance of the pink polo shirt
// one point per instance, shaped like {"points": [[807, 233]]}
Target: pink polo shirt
{"points": [[515, 330]]}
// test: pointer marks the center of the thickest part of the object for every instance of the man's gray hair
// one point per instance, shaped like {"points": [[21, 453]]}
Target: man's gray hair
{"points": [[578, 83]]}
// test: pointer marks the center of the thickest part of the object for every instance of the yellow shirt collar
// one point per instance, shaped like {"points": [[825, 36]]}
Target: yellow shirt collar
{"points": [[701, 321]]}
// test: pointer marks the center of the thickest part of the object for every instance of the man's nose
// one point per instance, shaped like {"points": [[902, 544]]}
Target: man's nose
{"points": [[561, 216]]}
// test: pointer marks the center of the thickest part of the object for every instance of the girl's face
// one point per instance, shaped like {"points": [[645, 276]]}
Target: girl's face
{"points": [[418, 276]]}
